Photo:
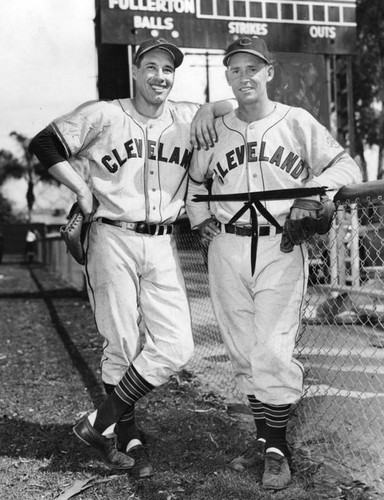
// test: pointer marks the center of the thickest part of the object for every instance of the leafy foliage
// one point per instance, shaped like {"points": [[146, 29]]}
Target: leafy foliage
{"points": [[368, 74], [26, 166], [6, 215]]}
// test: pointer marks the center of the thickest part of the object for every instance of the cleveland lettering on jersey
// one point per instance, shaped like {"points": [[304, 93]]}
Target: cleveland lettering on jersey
{"points": [[134, 148], [281, 158]]}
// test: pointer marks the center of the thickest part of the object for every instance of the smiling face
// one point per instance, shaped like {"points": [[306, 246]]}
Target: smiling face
{"points": [[154, 75], [248, 76]]}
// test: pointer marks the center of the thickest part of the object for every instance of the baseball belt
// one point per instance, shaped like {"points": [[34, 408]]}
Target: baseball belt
{"points": [[140, 227], [247, 231]]}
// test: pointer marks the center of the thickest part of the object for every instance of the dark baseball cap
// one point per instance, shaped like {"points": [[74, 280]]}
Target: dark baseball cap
{"points": [[159, 43], [251, 45]]}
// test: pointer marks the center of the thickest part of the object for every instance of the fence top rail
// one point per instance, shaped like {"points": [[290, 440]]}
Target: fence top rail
{"points": [[363, 191]]}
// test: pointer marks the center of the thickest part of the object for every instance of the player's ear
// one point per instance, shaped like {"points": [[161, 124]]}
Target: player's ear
{"points": [[134, 71], [270, 73]]}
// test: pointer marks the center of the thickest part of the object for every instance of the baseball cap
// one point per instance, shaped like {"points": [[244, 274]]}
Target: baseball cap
{"points": [[159, 43], [251, 45]]}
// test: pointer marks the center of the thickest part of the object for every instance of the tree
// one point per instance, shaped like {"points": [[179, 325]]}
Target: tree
{"points": [[368, 79], [6, 215], [26, 166]]}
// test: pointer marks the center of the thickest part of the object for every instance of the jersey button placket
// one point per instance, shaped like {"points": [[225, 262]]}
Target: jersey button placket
{"points": [[153, 180], [252, 165], [153, 194]]}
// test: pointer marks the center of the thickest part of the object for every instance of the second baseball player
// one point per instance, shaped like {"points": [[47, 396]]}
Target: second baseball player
{"points": [[262, 145]]}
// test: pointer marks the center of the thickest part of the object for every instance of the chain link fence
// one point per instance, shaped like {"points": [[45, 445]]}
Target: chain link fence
{"points": [[341, 344]]}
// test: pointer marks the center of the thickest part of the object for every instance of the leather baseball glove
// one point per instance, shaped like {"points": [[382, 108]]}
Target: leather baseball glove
{"points": [[298, 231], [73, 233]]}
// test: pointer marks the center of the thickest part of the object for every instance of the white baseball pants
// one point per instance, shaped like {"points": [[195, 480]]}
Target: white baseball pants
{"points": [[135, 282], [259, 316]]}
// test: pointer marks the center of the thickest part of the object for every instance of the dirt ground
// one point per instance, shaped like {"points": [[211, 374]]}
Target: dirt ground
{"points": [[50, 377]]}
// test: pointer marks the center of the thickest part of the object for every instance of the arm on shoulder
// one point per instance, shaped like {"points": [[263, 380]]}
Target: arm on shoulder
{"points": [[203, 133]]}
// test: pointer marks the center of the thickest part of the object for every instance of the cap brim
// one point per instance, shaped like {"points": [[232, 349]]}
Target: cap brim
{"points": [[252, 52], [176, 53]]}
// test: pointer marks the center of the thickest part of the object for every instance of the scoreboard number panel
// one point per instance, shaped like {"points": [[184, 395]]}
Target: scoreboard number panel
{"points": [[303, 26]]}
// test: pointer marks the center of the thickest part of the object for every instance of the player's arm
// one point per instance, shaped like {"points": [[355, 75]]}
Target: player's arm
{"points": [[342, 172], [332, 166], [199, 214], [203, 132], [51, 153]]}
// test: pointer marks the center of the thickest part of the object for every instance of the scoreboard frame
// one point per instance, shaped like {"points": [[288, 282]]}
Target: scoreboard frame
{"points": [[301, 26]]}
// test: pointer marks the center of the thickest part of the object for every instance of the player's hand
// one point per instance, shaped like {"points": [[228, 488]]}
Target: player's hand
{"points": [[300, 213], [203, 133], [85, 200], [208, 229]]}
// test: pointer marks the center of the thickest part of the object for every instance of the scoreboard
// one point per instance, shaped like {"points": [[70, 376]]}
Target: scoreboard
{"points": [[304, 26]]}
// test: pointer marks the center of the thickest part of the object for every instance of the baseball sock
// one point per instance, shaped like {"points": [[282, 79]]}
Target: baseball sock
{"points": [[108, 387], [259, 417], [129, 390], [125, 429], [277, 417]]}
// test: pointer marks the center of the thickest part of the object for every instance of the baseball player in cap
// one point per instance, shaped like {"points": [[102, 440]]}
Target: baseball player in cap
{"points": [[262, 145], [138, 150]]}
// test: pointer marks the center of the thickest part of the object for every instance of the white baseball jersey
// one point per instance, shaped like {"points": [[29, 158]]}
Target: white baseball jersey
{"points": [[138, 167], [287, 149]]}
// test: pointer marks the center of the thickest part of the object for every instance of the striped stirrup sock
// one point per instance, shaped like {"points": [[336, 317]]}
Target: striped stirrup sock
{"points": [[259, 417], [122, 399], [277, 417], [132, 387]]}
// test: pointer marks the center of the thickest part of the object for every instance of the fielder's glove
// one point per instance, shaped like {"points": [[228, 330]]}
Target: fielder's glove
{"points": [[73, 233], [298, 231]]}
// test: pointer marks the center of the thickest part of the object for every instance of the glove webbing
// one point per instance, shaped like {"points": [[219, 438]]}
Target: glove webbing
{"points": [[254, 199]]}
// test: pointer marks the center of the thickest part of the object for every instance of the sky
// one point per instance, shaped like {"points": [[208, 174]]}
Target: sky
{"points": [[48, 62]]}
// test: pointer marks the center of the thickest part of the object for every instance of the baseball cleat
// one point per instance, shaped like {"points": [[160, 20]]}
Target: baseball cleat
{"points": [[142, 468], [277, 475], [106, 447], [251, 456]]}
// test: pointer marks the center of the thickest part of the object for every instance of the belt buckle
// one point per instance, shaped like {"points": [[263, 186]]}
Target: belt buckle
{"points": [[243, 230], [141, 228]]}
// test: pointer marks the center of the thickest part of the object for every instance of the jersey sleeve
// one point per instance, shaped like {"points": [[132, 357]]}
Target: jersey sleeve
{"points": [[329, 164], [199, 169], [197, 212], [47, 148], [201, 163], [184, 110], [320, 149], [198, 173], [80, 127]]}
